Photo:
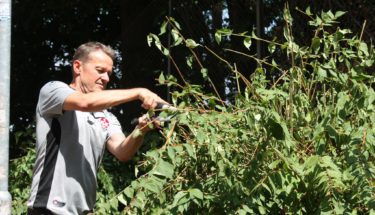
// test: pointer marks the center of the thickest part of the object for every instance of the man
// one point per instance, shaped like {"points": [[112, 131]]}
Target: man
{"points": [[73, 129]]}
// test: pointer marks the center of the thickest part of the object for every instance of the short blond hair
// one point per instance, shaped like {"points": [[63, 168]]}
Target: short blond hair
{"points": [[85, 49]]}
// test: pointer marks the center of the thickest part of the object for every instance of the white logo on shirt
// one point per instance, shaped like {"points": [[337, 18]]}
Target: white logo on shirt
{"points": [[58, 203]]}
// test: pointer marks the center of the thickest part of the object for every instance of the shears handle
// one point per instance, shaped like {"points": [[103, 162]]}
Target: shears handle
{"points": [[159, 106]]}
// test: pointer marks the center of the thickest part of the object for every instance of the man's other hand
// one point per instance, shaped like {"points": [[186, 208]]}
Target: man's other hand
{"points": [[146, 125]]}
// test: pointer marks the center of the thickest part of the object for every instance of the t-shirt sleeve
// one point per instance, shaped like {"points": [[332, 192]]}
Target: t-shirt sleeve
{"points": [[114, 125], [52, 97]]}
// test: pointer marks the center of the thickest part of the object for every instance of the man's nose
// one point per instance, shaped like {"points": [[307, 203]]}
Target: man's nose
{"points": [[105, 77]]}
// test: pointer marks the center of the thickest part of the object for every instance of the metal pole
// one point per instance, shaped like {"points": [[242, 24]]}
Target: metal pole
{"points": [[5, 28]]}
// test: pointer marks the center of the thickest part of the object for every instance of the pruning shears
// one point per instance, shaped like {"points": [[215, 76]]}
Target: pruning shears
{"points": [[161, 107]]}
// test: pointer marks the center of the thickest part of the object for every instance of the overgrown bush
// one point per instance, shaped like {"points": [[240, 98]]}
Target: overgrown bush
{"points": [[302, 143]]}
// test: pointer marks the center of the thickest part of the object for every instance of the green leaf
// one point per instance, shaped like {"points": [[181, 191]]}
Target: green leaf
{"points": [[196, 193], [342, 100], [287, 16], [191, 43], [121, 199], [271, 47], [149, 39], [164, 168], [171, 153], [271, 94], [179, 198], [163, 28], [339, 14], [165, 51], [218, 37], [201, 136], [247, 42], [175, 23], [330, 14], [332, 133], [262, 210], [161, 78], [363, 47], [129, 192], [204, 72], [247, 209], [152, 186], [372, 211], [311, 163], [322, 74], [225, 31], [157, 42], [241, 212], [189, 61], [176, 37], [315, 44], [308, 11], [274, 164], [190, 150], [140, 200]]}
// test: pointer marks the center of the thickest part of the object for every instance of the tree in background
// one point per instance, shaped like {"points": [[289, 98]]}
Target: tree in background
{"points": [[42, 43]]}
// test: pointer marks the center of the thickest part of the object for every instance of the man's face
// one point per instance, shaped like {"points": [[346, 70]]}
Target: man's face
{"points": [[94, 72]]}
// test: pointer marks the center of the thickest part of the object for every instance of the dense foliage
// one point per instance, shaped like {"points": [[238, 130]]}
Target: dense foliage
{"points": [[298, 139], [301, 143]]}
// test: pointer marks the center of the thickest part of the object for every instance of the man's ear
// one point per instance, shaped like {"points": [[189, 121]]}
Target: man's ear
{"points": [[77, 67]]}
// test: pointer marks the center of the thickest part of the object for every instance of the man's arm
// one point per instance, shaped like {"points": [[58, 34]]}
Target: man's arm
{"points": [[124, 148], [97, 101]]}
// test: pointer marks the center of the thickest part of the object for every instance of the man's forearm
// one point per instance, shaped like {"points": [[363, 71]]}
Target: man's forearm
{"points": [[97, 101], [129, 146]]}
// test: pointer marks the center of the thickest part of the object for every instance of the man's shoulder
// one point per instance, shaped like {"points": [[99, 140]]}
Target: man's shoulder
{"points": [[55, 84], [55, 88], [51, 98]]}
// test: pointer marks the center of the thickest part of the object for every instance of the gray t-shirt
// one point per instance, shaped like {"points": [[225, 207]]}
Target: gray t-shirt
{"points": [[70, 146]]}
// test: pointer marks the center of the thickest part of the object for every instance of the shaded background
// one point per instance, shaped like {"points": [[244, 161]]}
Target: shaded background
{"points": [[46, 33]]}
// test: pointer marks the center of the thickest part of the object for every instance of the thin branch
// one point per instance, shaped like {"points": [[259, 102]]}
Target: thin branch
{"points": [[363, 29], [244, 79], [197, 59], [255, 58]]}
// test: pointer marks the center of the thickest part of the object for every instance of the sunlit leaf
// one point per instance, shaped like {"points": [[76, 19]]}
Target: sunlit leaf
{"points": [[247, 42], [196, 193], [161, 78], [164, 168], [191, 43]]}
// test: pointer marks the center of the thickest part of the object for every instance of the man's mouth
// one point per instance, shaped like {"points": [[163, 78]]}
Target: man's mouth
{"points": [[101, 86]]}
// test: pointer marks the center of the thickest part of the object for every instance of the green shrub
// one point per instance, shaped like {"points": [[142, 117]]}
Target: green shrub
{"points": [[302, 143], [20, 170]]}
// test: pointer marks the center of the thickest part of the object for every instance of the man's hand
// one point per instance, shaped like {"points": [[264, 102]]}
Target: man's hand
{"points": [[145, 125], [149, 99]]}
